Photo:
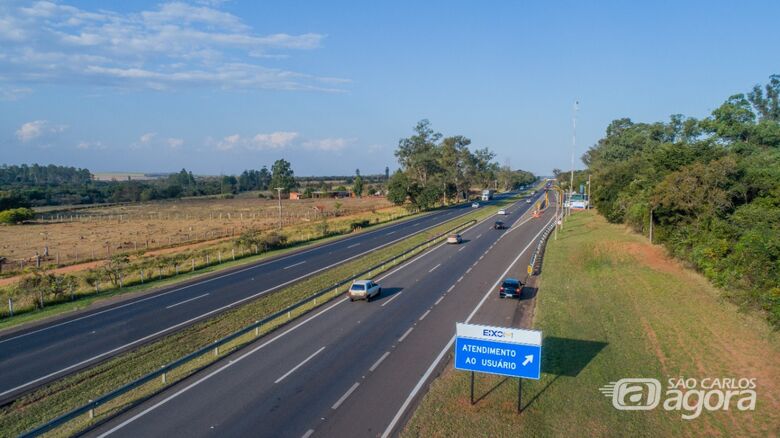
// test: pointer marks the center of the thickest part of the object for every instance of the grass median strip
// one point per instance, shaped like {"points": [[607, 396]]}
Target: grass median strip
{"points": [[613, 306], [75, 390]]}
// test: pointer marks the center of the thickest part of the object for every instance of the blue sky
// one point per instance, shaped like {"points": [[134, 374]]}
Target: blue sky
{"points": [[218, 87]]}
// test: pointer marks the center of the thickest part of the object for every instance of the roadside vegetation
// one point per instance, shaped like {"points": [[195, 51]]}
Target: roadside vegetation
{"points": [[74, 390], [47, 290], [613, 306], [711, 188], [436, 169]]}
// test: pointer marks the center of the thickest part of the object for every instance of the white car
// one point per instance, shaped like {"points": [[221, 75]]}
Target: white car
{"points": [[528, 201], [475, 205], [454, 238], [502, 212], [363, 290]]}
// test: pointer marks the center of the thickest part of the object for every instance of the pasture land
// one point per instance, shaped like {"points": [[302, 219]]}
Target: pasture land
{"points": [[76, 236]]}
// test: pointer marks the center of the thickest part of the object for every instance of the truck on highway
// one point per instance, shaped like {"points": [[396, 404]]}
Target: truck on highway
{"points": [[487, 195]]}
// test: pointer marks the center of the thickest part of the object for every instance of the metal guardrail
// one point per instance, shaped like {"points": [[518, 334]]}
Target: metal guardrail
{"points": [[89, 408], [535, 265]]}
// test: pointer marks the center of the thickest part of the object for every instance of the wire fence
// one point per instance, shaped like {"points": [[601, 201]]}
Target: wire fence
{"points": [[214, 349]]}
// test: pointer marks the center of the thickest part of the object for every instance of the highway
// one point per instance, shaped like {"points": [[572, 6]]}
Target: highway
{"points": [[44, 352], [351, 369]]}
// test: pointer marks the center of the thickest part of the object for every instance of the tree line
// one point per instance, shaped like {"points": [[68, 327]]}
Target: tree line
{"points": [[711, 188], [437, 169]]}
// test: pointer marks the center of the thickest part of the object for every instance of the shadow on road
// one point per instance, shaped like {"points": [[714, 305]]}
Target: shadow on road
{"points": [[528, 293], [388, 292]]}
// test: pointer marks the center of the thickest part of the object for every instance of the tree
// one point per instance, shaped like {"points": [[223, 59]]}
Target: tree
{"points": [[419, 154], [282, 175], [357, 184]]}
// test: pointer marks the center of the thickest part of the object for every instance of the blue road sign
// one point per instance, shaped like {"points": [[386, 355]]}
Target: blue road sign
{"points": [[497, 350]]}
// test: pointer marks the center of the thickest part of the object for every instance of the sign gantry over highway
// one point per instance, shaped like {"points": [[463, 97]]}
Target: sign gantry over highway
{"points": [[498, 350]]}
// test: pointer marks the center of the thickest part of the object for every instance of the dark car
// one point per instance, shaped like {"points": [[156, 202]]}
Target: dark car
{"points": [[499, 225], [511, 287]]}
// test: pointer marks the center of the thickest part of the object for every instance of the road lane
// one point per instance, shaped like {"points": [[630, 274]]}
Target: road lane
{"points": [[31, 357], [360, 339]]}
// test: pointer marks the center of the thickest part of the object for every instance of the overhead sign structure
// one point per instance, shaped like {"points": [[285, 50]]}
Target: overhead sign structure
{"points": [[498, 350]]}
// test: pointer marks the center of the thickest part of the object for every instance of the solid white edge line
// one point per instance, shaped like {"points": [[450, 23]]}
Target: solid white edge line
{"points": [[401, 339], [381, 358], [207, 280], [227, 306], [187, 301], [344, 397], [447, 347], [299, 365], [218, 370]]}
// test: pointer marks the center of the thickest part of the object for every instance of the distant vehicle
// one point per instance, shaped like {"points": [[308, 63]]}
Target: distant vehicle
{"points": [[475, 205], [529, 201], [454, 238], [502, 212], [363, 290], [511, 287], [499, 225], [487, 195]]}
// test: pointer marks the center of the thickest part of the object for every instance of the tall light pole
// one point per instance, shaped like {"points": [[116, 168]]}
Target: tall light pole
{"points": [[573, 143], [279, 195]]}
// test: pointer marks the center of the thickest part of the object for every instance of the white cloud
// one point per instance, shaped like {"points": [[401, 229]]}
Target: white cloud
{"points": [[36, 129], [229, 142], [173, 44], [147, 138], [174, 143], [275, 140], [328, 144], [13, 93], [94, 145]]}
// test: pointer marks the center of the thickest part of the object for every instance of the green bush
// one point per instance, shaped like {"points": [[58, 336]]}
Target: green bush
{"points": [[16, 215]]}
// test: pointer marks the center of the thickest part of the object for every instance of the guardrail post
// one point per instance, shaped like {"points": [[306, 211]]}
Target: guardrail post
{"points": [[289, 315], [164, 378], [315, 301], [91, 412], [216, 350]]}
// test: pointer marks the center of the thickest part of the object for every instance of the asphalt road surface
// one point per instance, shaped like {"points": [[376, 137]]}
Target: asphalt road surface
{"points": [[351, 368], [42, 353]]}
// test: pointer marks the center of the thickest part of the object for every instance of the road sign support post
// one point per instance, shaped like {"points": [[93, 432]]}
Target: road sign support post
{"points": [[519, 395], [472, 388]]}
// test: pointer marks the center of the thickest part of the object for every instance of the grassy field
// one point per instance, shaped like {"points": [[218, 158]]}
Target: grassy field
{"points": [[72, 391], [95, 233], [612, 306]]}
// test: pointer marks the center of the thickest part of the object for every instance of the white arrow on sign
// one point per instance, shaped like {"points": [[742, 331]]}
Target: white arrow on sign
{"points": [[528, 359]]}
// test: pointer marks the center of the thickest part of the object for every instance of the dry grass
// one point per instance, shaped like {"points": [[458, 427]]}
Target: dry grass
{"points": [[83, 235]]}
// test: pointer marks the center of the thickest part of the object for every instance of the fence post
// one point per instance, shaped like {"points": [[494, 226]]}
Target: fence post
{"points": [[219, 256], [121, 280], [234, 253], [193, 264], [142, 276], [11, 306]]}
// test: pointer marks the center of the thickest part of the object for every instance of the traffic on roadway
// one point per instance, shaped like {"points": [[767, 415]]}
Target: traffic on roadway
{"points": [[44, 352], [352, 368]]}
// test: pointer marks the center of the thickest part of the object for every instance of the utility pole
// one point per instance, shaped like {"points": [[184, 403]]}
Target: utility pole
{"points": [[573, 144], [651, 225], [279, 195], [588, 191]]}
